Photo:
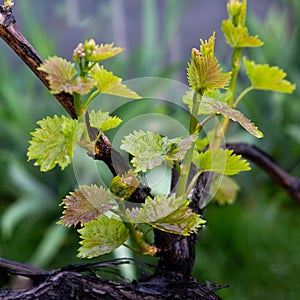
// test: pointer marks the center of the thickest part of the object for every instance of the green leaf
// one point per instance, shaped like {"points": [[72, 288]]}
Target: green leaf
{"points": [[146, 147], [107, 83], [238, 37], [101, 236], [168, 214], [103, 121], [150, 149], [80, 85], [124, 185], [212, 106], [204, 73], [201, 143], [61, 73], [209, 106], [219, 95], [207, 48], [86, 204], [215, 94], [264, 77], [96, 53], [53, 143], [220, 161], [226, 192], [176, 148], [237, 12]]}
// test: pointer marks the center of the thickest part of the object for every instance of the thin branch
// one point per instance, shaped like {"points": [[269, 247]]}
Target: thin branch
{"points": [[17, 268], [14, 38], [289, 183]]}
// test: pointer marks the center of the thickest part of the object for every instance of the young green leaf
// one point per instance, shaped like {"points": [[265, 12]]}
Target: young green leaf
{"points": [[101, 236], [209, 106], [238, 37], [237, 12], [103, 121], [168, 214], [150, 149], [124, 185], [207, 48], [176, 148], [97, 53], [80, 85], [264, 77], [215, 94], [107, 83], [222, 161], [212, 106], [204, 73], [61, 76], [145, 147], [226, 192], [53, 143], [202, 143], [86, 204]]}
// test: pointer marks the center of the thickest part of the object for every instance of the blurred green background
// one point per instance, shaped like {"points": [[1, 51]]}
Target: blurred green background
{"points": [[252, 245]]}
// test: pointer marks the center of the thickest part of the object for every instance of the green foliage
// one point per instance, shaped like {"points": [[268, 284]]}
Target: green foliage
{"points": [[107, 83], [251, 234], [235, 30], [245, 236], [203, 71], [91, 52], [101, 236], [213, 106], [61, 76], [221, 161], [123, 186], [53, 143], [237, 12], [239, 36], [150, 149], [264, 77], [87, 76], [106, 221], [86, 204], [103, 121], [89, 206], [173, 215]]}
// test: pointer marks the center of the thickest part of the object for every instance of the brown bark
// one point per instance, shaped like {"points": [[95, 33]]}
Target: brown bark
{"points": [[70, 283]]}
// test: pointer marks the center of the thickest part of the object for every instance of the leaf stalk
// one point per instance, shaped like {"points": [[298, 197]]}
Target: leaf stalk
{"points": [[194, 128]]}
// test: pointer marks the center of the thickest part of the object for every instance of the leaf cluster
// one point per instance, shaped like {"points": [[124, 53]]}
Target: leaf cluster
{"points": [[101, 214], [105, 219], [150, 150], [205, 78], [53, 143]]}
